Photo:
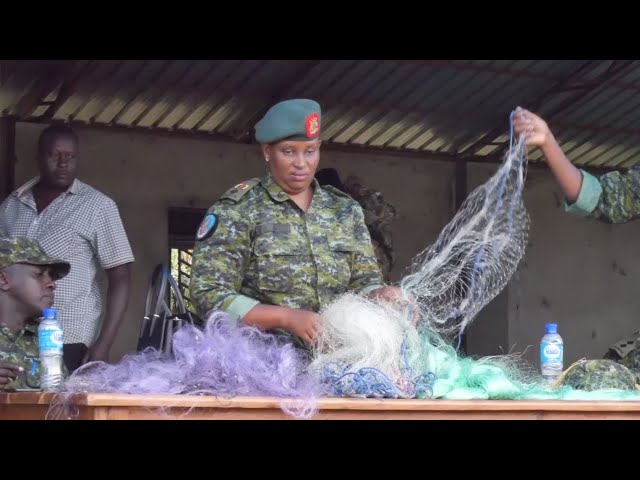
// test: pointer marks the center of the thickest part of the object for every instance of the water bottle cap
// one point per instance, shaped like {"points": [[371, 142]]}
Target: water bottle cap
{"points": [[49, 313], [551, 328]]}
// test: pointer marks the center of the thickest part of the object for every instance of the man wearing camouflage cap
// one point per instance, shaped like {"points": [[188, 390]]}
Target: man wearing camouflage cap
{"points": [[27, 283], [275, 250]]}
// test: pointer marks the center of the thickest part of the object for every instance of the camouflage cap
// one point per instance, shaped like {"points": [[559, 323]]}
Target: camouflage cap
{"points": [[25, 250], [297, 119], [597, 375]]}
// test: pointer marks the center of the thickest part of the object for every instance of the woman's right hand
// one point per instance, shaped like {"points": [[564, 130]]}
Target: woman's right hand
{"points": [[302, 323], [8, 373], [537, 133], [534, 128]]}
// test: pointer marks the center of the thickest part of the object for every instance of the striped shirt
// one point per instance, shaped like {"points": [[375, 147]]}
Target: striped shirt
{"points": [[83, 227]]}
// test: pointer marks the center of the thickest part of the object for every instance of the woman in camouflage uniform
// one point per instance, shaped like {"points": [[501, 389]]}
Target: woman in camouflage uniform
{"points": [[273, 251]]}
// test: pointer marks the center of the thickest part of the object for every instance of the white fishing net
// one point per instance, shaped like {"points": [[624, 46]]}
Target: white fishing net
{"points": [[476, 254]]}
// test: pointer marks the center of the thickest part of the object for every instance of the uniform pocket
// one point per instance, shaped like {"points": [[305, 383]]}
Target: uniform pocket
{"points": [[340, 253], [280, 257]]}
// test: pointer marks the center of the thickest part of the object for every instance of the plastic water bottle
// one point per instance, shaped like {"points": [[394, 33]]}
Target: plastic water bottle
{"points": [[50, 346], [551, 353]]}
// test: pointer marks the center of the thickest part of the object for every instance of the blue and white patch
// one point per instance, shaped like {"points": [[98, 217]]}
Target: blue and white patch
{"points": [[207, 227]]}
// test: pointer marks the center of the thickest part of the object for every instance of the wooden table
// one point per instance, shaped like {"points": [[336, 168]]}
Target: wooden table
{"points": [[35, 405]]}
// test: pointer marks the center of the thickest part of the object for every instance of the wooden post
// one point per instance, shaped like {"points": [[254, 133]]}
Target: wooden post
{"points": [[7, 156]]}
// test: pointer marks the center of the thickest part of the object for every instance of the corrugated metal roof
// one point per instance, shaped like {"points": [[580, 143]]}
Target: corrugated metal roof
{"points": [[454, 108]]}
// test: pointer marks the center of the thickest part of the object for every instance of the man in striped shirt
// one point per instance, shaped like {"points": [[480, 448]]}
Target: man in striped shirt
{"points": [[76, 223]]}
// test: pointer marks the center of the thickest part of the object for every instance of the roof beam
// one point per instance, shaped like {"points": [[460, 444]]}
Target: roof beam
{"points": [[557, 87], [326, 146], [68, 88], [298, 75], [50, 74], [573, 82], [221, 102], [590, 127], [155, 96], [225, 138], [475, 67], [142, 88], [192, 90]]}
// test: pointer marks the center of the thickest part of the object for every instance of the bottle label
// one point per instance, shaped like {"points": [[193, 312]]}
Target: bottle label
{"points": [[551, 352], [50, 339], [551, 360]]}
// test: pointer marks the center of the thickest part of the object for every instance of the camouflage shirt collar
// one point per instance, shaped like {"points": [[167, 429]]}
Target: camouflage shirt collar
{"points": [[11, 335], [31, 326], [279, 195], [320, 195], [275, 191]]}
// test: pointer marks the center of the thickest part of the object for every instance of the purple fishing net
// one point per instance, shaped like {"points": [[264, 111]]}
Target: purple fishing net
{"points": [[223, 359]]}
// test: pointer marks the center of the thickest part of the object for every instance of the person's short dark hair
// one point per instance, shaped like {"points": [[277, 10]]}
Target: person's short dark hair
{"points": [[329, 176], [52, 133]]}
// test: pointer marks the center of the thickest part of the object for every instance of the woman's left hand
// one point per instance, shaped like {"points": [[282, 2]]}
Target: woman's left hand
{"points": [[386, 294], [394, 297]]}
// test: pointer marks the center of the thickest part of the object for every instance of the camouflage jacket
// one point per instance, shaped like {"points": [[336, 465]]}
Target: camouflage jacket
{"points": [[265, 249], [613, 197], [21, 349], [378, 215]]}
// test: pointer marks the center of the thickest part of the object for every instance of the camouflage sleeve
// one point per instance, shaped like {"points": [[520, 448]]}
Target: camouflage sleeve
{"points": [[612, 198], [219, 259], [22, 352], [365, 271]]}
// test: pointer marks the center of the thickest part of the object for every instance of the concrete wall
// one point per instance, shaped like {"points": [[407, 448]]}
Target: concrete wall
{"points": [[578, 273]]}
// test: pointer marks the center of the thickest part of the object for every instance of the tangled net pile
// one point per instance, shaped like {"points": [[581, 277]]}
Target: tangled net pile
{"points": [[365, 349], [223, 359], [368, 349]]}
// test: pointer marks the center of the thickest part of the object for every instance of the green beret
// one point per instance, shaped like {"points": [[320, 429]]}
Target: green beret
{"points": [[297, 119]]}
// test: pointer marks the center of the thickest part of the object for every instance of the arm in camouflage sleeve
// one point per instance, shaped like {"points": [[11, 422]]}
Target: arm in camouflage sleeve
{"points": [[219, 260], [613, 198], [365, 271]]}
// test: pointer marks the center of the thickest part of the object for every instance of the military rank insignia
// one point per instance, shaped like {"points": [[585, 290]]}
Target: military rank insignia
{"points": [[312, 124]]}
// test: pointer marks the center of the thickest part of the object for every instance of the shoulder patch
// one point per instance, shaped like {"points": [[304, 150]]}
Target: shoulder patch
{"points": [[238, 191], [207, 227]]}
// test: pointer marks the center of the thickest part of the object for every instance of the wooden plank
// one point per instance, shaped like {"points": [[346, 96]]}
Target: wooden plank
{"points": [[135, 413], [332, 403], [36, 405], [41, 412]]}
